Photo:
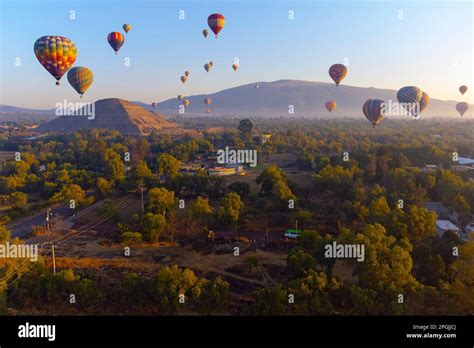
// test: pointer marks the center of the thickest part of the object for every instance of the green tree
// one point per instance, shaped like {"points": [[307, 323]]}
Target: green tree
{"points": [[230, 209]]}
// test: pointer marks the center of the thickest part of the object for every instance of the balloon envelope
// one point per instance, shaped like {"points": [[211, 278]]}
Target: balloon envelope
{"points": [[373, 111], [115, 40], [205, 32], [186, 102], [235, 66], [337, 72], [462, 108], [186, 73], [409, 97], [56, 54], [216, 22], [183, 78], [207, 67], [424, 101], [330, 105], [180, 97], [80, 79], [127, 27], [463, 89], [207, 101]]}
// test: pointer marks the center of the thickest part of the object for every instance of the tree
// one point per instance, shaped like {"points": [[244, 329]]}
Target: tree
{"points": [[4, 234], [230, 209], [160, 200], [103, 186], [245, 127], [167, 164], [153, 226], [241, 188], [18, 200], [200, 213]]}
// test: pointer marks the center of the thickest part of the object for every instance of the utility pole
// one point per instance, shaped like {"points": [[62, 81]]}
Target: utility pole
{"points": [[54, 258], [296, 228], [48, 212]]}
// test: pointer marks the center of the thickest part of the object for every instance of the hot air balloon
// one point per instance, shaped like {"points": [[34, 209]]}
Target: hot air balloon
{"points": [[257, 87], [205, 32], [153, 105], [115, 40], [56, 54], [338, 72], [462, 108], [463, 89], [216, 22], [211, 63], [180, 97], [424, 101], [127, 27], [207, 67], [373, 111], [208, 111], [80, 79], [410, 97], [183, 79], [235, 66], [186, 73], [207, 101], [331, 105], [186, 102]]}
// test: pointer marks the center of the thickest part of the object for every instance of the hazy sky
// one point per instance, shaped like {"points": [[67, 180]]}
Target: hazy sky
{"points": [[387, 44]]}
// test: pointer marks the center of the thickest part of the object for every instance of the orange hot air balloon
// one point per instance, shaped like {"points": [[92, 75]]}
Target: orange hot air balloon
{"points": [[338, 72], [56, 54], [235, 66], [216, 22], [462, 108], [207, 101], [183, 79], [463, 89], [331, 105], [186, 102]]}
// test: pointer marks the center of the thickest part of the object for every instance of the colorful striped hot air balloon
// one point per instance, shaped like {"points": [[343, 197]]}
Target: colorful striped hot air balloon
{"points": [[116, 40], [127, 27], [373, 110], [56, 54], [338, 72], [186, 102], [462, 108], [80, 79], [216, 22], [330, 106]]}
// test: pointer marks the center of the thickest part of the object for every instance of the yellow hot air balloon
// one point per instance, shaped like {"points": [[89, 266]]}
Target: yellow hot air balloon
{"points": [[180, 97], [186, 102], [80, 79], [126, 28], [330, 105]]}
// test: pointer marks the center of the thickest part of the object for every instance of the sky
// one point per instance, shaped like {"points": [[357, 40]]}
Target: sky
{"points": [[385, 44]]}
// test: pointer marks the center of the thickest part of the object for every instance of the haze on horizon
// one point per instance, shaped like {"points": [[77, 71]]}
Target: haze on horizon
{"points": [[428, 44]]}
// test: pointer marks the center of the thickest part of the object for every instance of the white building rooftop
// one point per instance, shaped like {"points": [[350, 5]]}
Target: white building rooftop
{"points": [[446, 225]]}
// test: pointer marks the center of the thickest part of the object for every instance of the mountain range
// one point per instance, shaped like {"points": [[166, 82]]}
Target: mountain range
{"points": [[276, 99]]}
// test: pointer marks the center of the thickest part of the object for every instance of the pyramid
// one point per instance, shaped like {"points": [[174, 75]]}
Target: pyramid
{"points": [[112, 114]]}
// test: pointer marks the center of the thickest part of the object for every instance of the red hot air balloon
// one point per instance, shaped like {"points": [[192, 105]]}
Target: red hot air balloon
{"points": [[331, 105], [216, 22], [424, 101], [235, 66], [463, 89], [338, 72], [115, 40]]}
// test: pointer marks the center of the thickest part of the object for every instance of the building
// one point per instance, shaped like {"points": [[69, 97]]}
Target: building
{"points": [[221, 171], [438, 208], [443, 226], [262, 139]]}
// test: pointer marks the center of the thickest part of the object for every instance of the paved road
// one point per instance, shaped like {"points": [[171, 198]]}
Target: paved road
{"points": [[25, 226]]}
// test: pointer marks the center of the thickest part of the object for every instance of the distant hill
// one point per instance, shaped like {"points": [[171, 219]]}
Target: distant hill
{"points": [[308, 99], [113, 114], [9, 113]]}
